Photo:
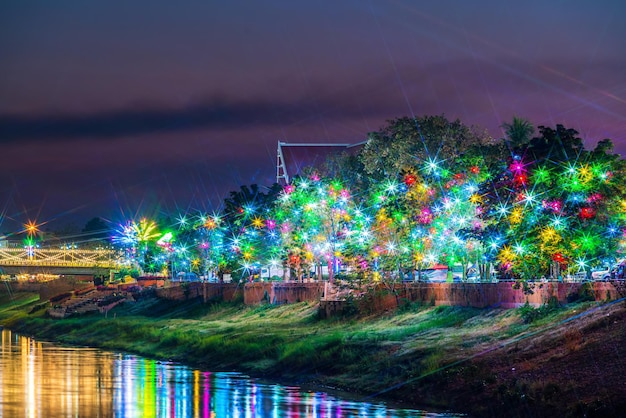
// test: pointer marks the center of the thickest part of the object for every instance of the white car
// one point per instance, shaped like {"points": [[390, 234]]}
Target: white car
{"points": [[601, 273]]}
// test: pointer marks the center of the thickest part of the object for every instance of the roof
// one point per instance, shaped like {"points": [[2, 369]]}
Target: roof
{"points": [[292, 158]]}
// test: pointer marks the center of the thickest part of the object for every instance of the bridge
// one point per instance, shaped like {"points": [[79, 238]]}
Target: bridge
{"points": [[32, 260]]}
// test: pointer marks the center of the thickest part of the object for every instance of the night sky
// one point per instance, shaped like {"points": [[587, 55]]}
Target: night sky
{"points": [[126, 108]]}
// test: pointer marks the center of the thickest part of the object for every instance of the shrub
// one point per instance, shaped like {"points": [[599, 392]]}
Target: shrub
{"points": [[38, 307], [584, 294], [530, 314], [407, 306]]}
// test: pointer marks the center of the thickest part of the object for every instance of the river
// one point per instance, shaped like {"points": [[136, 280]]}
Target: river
{"points": [[40, 379]]}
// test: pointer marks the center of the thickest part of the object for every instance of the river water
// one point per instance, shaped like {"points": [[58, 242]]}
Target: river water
{"points": [[39, 379]]}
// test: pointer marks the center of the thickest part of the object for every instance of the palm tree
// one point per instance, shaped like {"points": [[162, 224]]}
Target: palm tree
{"points": [[518, 132]]}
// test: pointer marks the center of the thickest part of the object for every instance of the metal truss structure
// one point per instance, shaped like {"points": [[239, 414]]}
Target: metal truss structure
{"points": [[48, 257], [281, 166]]}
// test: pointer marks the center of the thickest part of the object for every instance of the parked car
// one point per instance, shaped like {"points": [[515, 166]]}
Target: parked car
{"points": [[187, 277], [601, 273], [618, 272], [471, 274], [437, 274]]}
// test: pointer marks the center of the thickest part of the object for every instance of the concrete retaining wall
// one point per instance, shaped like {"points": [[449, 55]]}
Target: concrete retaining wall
{"points": [[483, 295], [61, 285], [279, 293], [15, 286], [181, 291], [207, 291], [221, 292], [497, 295], [252, 293]]}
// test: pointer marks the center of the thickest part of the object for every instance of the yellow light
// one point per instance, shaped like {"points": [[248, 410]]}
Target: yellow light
{"points": [[585, 174], [549, 235], [209, 224], [516, 216], [476, 199], [381, 216], [258, 223], [31, 228], [506, 254]]}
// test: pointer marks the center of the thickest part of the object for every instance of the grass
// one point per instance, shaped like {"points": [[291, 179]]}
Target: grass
{"points": [[414, 350]]}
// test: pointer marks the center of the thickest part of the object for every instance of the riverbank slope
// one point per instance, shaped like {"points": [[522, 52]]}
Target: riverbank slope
{"points": [[552, 361]]}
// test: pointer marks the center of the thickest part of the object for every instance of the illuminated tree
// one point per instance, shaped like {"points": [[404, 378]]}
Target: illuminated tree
{"points": [[405, 142], [139, 240], [554, 206], [314, 218], [247, 243]]}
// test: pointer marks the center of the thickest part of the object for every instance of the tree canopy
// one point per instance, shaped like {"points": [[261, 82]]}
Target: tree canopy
{"points": [[422, 192]]}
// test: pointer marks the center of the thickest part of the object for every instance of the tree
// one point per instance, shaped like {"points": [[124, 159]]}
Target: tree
{"points": [[315, 219], [96, 229], [556, 206], [350, 169], [139, 240], [248, 244], [405, 142], [560, 144], [518, 132]]}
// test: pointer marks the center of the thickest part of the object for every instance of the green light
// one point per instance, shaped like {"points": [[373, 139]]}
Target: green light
{"points": [[541, 175]]}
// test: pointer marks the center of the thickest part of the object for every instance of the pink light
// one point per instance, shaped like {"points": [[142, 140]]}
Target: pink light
{"points": [[425, 217], [594, 198], [553, 205], [517, 167]]}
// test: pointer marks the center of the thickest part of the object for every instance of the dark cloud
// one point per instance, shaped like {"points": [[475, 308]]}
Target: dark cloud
{"points": [[213, 114]]}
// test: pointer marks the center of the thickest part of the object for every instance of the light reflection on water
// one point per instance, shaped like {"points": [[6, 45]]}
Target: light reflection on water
{"points": [[43, 380]]}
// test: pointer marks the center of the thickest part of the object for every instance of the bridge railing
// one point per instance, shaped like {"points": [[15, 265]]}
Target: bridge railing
{"points": [[59, 257]]}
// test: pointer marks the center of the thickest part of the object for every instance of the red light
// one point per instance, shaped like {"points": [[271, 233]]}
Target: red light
{"points": [[520, 179], [410, 179], [587, 213]]}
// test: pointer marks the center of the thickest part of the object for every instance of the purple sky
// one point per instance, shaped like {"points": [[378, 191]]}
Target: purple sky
{"points": [[117, 109]]}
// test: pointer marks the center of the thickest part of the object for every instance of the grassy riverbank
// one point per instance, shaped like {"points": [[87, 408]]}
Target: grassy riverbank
{"points": [[556, 361]]}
